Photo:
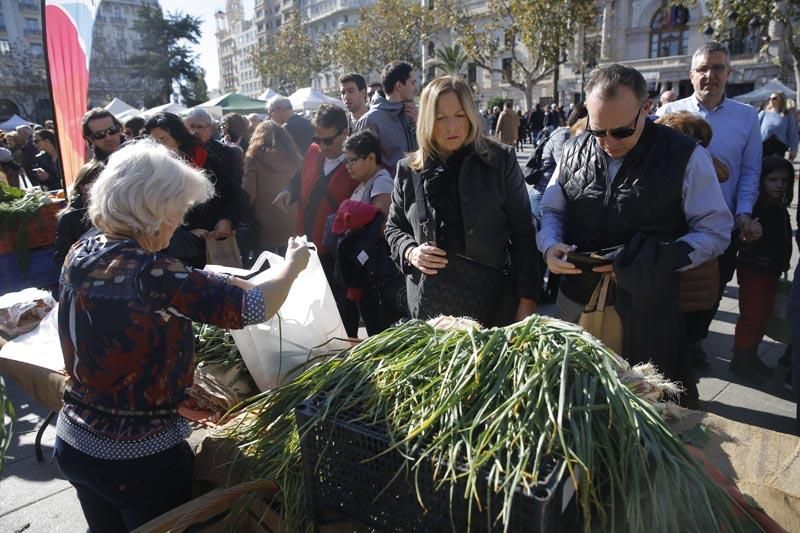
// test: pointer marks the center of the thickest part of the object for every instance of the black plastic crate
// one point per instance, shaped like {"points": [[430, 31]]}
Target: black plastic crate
{"points": [[345, 477]]}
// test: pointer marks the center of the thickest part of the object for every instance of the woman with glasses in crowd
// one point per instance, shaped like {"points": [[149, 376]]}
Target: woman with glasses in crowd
{"points": [[214, 219], [460, 221], [778, 128]]}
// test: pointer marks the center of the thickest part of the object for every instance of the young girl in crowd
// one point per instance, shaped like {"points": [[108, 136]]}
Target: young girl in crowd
{"points": [[760, 264]]}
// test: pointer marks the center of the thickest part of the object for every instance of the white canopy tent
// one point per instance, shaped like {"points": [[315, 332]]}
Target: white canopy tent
{"points": [[266, 95], [308, 99], [116, 107], [125, 115], [762, 93], [12, 123], [166, 108]]}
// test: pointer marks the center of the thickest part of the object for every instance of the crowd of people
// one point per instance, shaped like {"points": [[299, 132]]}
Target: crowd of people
{"points": [[414, 211]]}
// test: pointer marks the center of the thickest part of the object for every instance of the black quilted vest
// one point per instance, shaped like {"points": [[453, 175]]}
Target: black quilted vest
{"points": [[645, 196]]}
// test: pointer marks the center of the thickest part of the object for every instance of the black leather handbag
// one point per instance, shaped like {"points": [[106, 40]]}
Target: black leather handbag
{"points": [[464, 287]]}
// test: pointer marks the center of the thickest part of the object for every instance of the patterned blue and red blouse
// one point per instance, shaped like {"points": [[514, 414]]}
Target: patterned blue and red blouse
{"points": [[125, 325]]}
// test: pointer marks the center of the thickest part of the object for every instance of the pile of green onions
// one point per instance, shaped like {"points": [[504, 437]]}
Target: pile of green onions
{"points": [[493, 404]]}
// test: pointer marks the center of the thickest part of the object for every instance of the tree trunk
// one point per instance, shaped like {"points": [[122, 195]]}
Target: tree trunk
{"points": [[555, 82], [528, 94], [797, 82]]}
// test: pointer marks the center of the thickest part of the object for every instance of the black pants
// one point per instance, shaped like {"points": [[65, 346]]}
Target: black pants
{"points": [[123, 495], [698, 322], [348, 310]]}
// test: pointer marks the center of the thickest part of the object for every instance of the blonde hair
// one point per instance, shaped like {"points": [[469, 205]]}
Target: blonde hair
{"points": [[696, 127], [143, 185], [427, 119], [781, 99]]}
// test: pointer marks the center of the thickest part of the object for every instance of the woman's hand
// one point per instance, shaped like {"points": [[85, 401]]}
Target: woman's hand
{"points": [[282, 201], [296, 255], [222, 230], [525, 308], [427, 258]]}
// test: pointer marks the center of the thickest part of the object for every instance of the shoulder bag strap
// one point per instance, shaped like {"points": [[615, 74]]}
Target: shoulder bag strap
{"points": [[422, 207]]}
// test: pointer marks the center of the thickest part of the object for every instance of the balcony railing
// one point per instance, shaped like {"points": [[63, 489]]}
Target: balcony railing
{"points": [[32, 32], [119, 20], [29, 6]]}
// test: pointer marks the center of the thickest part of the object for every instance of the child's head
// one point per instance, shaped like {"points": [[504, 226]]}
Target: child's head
{"points": [[362, 151], [777, 179]]}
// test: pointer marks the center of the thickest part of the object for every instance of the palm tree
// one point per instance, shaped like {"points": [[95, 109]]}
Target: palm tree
{"points": [[451, 60]]}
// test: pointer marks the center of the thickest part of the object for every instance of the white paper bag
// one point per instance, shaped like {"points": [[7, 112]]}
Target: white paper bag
{"points": [[300, 330]]}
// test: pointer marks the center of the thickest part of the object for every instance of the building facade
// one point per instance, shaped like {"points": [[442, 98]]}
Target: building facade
{"points": [[114, 41], [653, 36], [23, 81], [237, 40]]}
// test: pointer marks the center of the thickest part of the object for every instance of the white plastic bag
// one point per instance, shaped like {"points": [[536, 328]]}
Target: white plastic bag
{"points": [[308, 324]]}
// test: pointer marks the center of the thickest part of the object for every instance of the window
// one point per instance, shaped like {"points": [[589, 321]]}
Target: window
{"points": [[507, 67], [36, 49], [2, 22], [668, 31], [5, 47], [472, 73], [31, 24]]}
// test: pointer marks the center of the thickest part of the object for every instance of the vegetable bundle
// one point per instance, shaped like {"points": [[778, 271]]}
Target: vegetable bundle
{"points": [[493, 404]]}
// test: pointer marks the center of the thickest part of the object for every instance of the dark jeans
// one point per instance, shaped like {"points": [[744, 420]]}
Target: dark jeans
{"points": [[123, 495], [698, 322]]}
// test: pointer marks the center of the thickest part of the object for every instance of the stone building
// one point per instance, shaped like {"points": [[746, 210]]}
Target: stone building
{"points": [[114, 42], [650, 35], [23, 82], [237, 39]]}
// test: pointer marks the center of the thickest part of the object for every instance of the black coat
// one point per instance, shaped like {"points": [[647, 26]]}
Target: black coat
{"points": [[301, 131], [71, 225], [496, 216], [46, 163]]}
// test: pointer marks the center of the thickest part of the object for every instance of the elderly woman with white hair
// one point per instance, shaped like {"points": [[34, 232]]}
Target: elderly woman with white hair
{"points": [[125, 325]]}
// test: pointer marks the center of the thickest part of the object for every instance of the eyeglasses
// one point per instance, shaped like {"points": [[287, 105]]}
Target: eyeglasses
{"points": [[719, 68], [198, 126], [351, 162], [327, 141], [100, 134], [773, 98], [617, 133]]}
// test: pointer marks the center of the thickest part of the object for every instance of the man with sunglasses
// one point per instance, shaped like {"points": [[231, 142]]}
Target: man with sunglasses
{"points": [[737, 143], [627, 176], [103, 135]]}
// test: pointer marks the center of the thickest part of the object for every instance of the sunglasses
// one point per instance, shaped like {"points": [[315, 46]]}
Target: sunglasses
{"points": [[617, 133], [97, 135], [327, 141], [773, 97]]}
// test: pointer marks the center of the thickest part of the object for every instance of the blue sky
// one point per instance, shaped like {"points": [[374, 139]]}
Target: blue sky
{"points": [[207, 49]]}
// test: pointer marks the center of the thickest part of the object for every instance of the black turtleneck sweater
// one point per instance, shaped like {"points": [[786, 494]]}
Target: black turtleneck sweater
{"points": [[444, 198]]}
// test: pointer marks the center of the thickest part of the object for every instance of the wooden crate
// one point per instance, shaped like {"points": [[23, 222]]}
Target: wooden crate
{"points": [[40, 230]]}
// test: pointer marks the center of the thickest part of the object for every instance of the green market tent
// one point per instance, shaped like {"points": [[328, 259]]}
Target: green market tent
{"points": [[236, 103]]}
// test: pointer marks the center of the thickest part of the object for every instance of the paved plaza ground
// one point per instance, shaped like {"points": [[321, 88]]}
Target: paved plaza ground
{"points": [[35, 498]]}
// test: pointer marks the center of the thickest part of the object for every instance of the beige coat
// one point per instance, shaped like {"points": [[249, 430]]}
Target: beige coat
{"points": [[508, 127], [265, 175]]}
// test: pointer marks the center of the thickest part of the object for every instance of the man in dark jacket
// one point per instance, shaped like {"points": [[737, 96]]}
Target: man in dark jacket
{"points": [[103, 133], [626, 176], [279, 109]]}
